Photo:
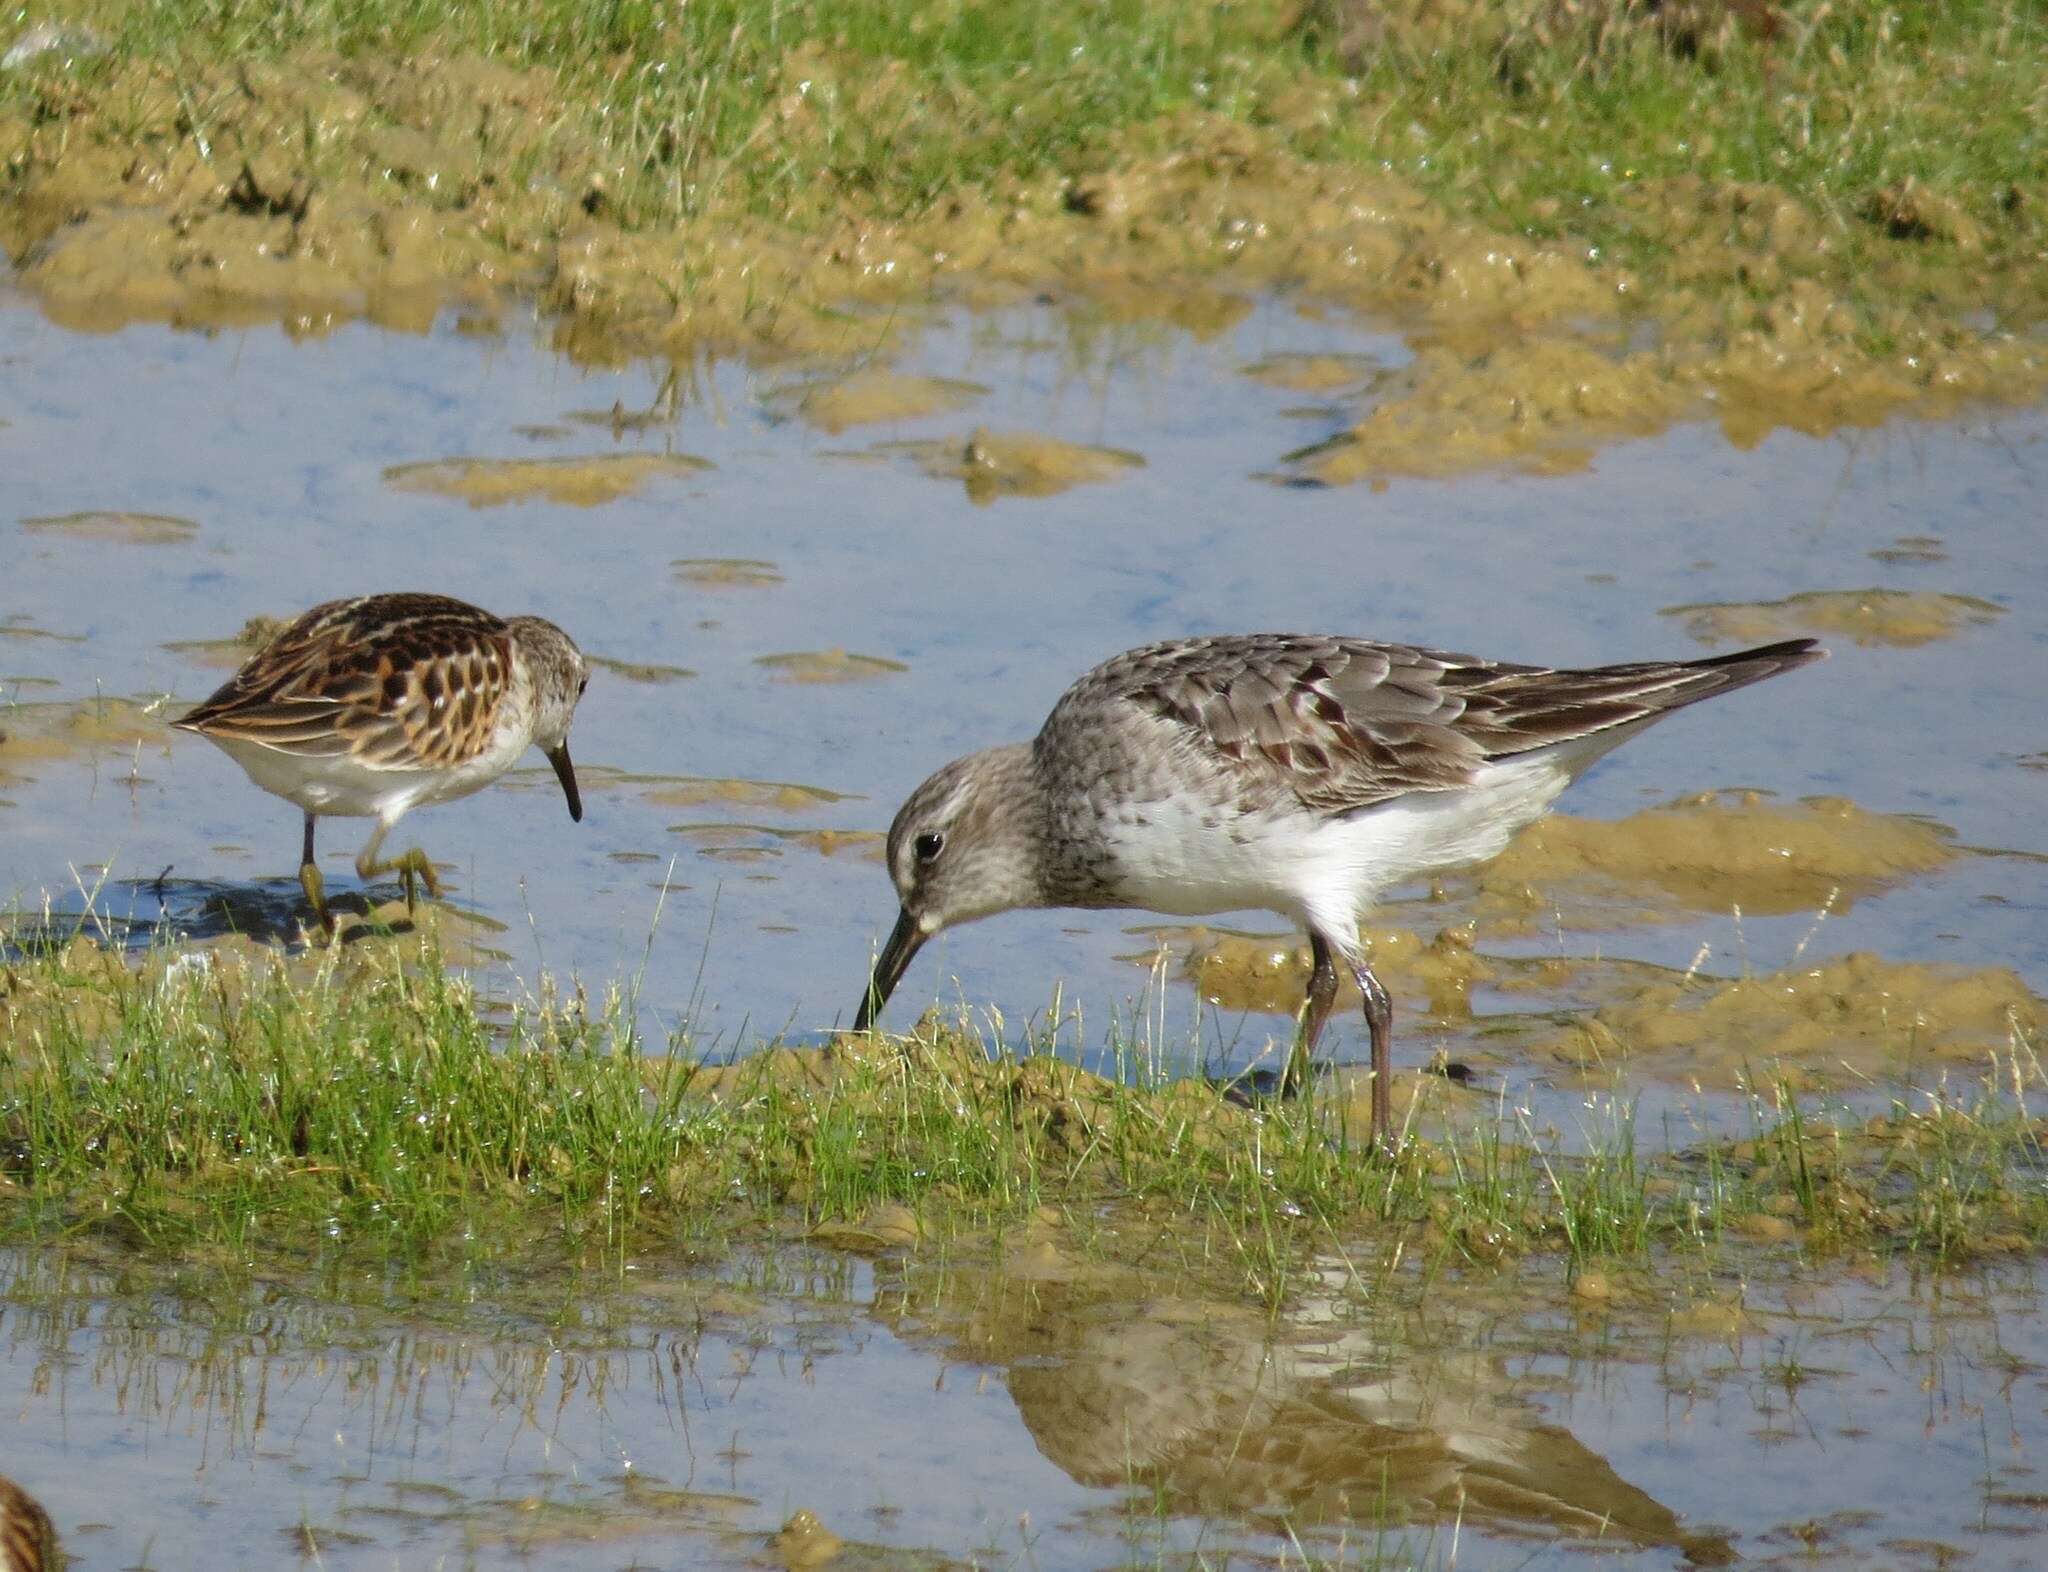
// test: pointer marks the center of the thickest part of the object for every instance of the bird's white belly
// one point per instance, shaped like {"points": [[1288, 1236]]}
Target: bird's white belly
{"points": [[1172, 858], [1192, 860], [344, 787]]}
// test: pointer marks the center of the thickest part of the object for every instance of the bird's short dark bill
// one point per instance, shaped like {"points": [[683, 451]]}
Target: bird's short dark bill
{"points": [[565, 772], [905, 940]]}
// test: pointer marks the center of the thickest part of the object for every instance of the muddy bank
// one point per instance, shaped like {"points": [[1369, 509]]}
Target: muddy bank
{"points": [[327, 186]]}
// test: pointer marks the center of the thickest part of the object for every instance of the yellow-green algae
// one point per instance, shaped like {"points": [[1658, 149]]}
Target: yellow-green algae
{"points": [[1903, 619], [992, 464], [1855, 1016], [114, 528], [582, 481]]}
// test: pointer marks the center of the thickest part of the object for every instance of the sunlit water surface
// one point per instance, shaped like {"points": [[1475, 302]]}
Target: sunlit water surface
{"points": [[1877, 1422], [754, 913]]}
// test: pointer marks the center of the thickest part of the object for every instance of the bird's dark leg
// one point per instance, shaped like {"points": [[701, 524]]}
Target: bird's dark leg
{"points": [[1379, 1020], [1315, 1011], [311, 882]]}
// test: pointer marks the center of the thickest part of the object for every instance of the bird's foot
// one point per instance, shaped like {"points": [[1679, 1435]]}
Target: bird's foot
{"points": [[413, 868]]}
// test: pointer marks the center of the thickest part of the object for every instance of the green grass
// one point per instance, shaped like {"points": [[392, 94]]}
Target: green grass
{"points": [[1908, 135], [372, 1103]]}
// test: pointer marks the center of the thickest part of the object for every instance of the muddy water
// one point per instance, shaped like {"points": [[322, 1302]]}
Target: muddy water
{"points": [[1052, 1411], [808, 586]]}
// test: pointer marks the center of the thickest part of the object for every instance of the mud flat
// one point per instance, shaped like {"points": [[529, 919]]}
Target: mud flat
{"points": [[1735, 219]]}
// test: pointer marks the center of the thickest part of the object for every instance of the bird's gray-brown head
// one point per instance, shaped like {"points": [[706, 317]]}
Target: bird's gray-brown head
{"points": [[559, 674], [966, 844]]}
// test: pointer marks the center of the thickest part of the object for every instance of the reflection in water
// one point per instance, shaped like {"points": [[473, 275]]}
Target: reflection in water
{"points": [[934, 1399], [1316, 1421]]}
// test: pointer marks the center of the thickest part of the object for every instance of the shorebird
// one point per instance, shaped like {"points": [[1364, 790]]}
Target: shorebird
{"points": [[368, 707], [1299, 774], [28, 1540]]}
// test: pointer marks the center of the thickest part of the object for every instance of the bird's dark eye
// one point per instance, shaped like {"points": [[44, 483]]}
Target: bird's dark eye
{"points": [[928, 846], [581, 686]]}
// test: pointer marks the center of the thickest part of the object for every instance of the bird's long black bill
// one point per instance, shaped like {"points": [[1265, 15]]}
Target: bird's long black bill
{"points": [[565, 772], [905, 940]]}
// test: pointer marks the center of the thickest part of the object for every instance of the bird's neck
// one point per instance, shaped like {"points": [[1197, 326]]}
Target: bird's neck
{"points": [[1016, 833]]}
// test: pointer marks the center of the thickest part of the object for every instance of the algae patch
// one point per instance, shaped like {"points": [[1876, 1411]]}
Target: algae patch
{"points": [[1711, 853], [647, 673], [691, 791], [876, 397], [117, 529], [35, 734], [231, 651], [1269, 973], [1306, 372], [1540, 405], [1016, 463], [23, 627], [576, 481], [1853, 1018], [729, 842], [833, 665], [726, 572], [1902, 619]]}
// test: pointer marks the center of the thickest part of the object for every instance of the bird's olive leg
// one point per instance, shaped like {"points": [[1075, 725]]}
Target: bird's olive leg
{"points": [[415, 865], [412, 866], [1315, 1010], [1379, 1020], [311, 882]]}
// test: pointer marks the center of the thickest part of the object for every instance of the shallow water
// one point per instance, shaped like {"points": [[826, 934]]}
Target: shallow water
{"points": [[797, 629], [1049, 1413], [832, 614]]}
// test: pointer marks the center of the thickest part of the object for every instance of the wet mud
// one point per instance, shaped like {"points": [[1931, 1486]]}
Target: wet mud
{"points": [[386, 190]]}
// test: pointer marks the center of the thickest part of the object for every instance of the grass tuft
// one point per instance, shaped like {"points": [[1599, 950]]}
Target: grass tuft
{"points": [[373, 1102]]}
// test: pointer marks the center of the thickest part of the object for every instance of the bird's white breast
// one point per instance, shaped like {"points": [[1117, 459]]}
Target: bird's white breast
{"points": [[1190, 858], [342, 785]]}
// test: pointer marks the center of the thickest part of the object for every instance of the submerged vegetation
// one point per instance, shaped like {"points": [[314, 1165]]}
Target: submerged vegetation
{"points": [[1826, 212], [371, 1101]]}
